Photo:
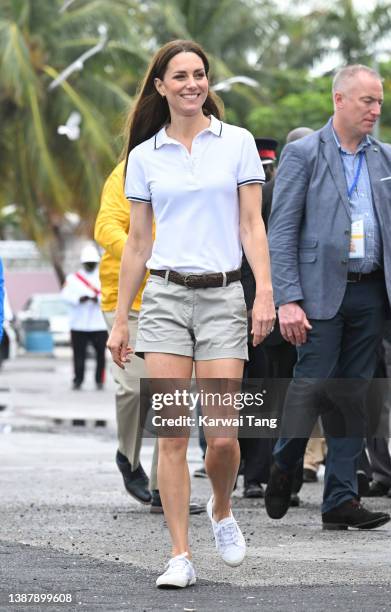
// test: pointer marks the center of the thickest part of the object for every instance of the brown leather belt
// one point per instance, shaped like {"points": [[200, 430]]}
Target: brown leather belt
{"points": [[359, 277], [200, 281]]}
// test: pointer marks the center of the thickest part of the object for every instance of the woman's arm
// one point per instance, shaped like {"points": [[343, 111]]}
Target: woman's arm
{"points": [[137, 251], [254, 241], [112, 221]]}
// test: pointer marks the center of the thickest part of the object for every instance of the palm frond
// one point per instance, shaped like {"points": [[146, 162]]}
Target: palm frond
{"points": [[16, 73], [93, 121], [52, 181]]}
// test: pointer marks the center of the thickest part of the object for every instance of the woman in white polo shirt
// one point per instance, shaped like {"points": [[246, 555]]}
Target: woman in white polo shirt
{"points": [[200, 178]]}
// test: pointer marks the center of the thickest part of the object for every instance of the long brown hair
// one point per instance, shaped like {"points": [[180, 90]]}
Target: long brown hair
{"points": [[151, 110]]}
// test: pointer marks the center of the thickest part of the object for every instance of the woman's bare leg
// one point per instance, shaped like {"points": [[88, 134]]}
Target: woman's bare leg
{"points": [[223, 453], [173, 472]]}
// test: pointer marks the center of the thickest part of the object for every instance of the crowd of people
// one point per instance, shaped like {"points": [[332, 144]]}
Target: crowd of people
{"points": [[189, 291]]}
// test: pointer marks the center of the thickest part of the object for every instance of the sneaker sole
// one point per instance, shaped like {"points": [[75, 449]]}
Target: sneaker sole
{"points": [[369, 525], [175, 586], [236, 563]]}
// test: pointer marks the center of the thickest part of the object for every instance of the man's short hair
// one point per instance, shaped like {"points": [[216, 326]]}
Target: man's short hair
{"points": [[346, 73], [298, 133]]}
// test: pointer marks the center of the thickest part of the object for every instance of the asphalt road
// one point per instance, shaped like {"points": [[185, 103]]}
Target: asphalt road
{"points": [[67, 526], [119, 587]]}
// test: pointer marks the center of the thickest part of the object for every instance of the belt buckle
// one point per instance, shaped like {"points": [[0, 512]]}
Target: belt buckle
{"points": [[186, 279]]}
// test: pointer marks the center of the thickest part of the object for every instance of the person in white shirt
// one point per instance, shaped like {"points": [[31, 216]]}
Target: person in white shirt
{"points": [[82, 291], [200, 179]]}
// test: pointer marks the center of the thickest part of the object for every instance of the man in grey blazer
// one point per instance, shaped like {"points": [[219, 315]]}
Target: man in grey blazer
{"points": [[330, 246]]}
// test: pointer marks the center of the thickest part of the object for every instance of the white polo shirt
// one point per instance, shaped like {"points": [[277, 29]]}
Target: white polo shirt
{"points": [[195, 196]]}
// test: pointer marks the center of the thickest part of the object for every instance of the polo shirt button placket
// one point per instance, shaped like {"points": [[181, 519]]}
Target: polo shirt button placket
{"points": [[192, 162], [194, 157], [188, 162]]}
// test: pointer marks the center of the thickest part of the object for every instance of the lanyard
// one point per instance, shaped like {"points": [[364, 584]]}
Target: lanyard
{"points": [[356, 176]]}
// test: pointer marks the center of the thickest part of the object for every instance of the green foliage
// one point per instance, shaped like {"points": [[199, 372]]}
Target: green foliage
{"points": [[43, 172], [46, 175], [228, 30], [385, 121], [310, 108]]}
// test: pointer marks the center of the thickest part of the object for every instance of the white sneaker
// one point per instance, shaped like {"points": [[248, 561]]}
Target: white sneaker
{"points": [[179, 573], [230, 542]]}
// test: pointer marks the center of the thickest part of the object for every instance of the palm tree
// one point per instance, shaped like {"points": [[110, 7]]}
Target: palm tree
{"points": [[358, 34], [334, 26], [229, 31], [43, 173]]}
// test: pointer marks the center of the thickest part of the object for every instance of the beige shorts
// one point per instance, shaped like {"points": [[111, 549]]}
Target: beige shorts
{"points": [[199, 323]]}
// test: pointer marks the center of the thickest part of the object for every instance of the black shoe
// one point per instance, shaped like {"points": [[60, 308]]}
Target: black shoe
{"points": [[136, 481], [352, 514], [99, 386], [362, 484], [294, 501], [253, 490], [309, 475], [200, 473], [377, 489], [157, 508], [278, 492], [76, 386], [297, 482]]}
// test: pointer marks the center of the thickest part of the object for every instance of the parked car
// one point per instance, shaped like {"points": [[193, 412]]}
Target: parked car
{"points": [[49, 306]]}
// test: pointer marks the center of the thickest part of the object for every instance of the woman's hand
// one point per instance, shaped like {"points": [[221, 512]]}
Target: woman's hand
{"points": [[118, 344], [263, 316]]}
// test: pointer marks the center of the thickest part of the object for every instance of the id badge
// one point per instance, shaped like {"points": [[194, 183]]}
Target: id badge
{"points": [[357, 243]]}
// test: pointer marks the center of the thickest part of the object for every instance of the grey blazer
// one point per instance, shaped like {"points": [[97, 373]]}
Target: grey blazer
{"points": [[310, 222]]}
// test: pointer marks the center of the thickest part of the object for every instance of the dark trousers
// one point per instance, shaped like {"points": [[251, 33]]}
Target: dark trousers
{"points": [[201, 434], [275, 361], [378, 466], [80, 340], [344, 347]]}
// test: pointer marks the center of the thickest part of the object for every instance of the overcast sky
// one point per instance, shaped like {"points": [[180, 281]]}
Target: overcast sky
{"points": [[303, 5], [333, 60]]}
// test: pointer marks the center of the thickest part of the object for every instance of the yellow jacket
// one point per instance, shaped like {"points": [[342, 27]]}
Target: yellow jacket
{"points": [[111, 232]]}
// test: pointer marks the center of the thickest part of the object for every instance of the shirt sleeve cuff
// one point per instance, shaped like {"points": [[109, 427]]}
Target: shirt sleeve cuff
{"points": [[248, 181], [134, 198]]}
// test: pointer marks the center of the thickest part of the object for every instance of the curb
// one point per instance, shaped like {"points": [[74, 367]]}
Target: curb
{"points": [[88, 423]]}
